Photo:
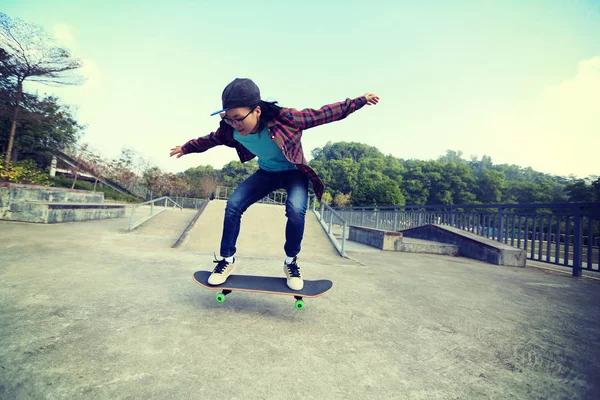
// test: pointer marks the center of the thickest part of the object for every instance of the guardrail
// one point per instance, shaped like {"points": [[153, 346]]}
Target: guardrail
{"points": [[327, 218], [164, 199], [189, 202], [223, 193], [566, 234]]}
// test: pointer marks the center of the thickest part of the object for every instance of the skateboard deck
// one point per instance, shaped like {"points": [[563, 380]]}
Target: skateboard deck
{"points": [[263, 284]]}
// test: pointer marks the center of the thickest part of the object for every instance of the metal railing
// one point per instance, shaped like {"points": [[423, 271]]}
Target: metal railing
{"points": [[328, 217], [223, 193], [164, 199], [189, 202], [566, 234]]}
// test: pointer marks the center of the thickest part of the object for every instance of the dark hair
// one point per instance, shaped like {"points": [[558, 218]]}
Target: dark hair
{"points": [[269, 110]]}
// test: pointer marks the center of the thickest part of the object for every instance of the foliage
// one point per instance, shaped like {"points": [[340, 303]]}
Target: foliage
{"points": [[45, 125], [341, 200], [24, 171], [367, 177]]}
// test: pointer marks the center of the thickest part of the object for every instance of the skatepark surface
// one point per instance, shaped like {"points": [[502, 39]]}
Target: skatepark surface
{"points": [[91, 310]]}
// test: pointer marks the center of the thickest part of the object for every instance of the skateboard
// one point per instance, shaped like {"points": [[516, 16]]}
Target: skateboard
{"points": [[263, 284]]}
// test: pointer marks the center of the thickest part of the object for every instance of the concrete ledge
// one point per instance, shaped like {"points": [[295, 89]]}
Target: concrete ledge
{"points": [[411, 245], [48, 213], [42, 204], [10, 192], [384, 240], [471, 245], [85, 213]]}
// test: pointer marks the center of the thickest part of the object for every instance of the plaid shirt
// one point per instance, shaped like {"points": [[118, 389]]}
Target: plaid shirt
{"points": [[285, 130]]}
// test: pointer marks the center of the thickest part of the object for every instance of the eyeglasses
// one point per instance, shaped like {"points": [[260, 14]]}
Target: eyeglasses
{"points": [[237, 121]]}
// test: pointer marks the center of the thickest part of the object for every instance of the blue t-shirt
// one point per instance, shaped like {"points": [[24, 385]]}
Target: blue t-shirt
{"points": [[270, 156]]}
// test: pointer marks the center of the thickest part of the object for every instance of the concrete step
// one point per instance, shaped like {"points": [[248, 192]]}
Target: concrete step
{"points": [[49, 213], [10, 192], [410, 245], [394, 241]]}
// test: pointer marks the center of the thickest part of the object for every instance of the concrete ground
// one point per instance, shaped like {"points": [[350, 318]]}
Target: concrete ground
{"points": [[89, 310]]}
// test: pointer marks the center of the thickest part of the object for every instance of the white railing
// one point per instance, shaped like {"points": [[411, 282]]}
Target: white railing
{"points": [[164, 199], [329, 217]]}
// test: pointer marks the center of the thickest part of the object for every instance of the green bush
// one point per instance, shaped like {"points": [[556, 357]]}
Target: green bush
{"points": [[24, 171]]}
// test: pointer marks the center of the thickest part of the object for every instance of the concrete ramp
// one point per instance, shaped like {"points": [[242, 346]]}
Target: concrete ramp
{"points": [[470, 245], [262, 234], [165, 228]]}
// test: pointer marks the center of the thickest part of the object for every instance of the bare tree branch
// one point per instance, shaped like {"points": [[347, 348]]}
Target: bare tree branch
{"points": [[27, 52]]}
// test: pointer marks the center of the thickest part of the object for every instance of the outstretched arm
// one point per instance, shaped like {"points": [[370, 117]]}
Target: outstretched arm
{"points": [[309, 117], [217, 138]]}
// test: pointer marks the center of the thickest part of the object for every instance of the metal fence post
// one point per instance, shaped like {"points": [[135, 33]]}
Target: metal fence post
{"points": [[396, 220], [578, 243], [322, 209], [500, 225], [344, 227], [132, 214]]}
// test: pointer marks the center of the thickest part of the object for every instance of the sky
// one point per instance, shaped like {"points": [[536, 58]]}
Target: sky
{"points": [[516, 80]]}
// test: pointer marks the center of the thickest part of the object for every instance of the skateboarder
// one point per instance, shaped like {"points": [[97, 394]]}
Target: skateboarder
{"points": [[256, 128]]}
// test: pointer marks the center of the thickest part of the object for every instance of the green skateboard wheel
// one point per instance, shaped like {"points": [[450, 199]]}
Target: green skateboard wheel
{"points": [[299, 305], [220, 297]]}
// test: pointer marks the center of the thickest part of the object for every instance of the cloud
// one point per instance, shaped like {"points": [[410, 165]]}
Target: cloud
{"points": [[92, 74], [64, 35], [556, 132], [572, 108]]}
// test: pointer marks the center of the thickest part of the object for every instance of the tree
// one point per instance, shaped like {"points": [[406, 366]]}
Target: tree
{"points": [[208, 185], [45, 126], [414, 187], [580, 192], [596, 186], [152, 179], [340, 150], [490, 185], [28, 52], [343, 176], [341, 200], [461, 182], [234, 172], [326, 198], [479, 166], [527, 193], [452, 156], [374, 188]]}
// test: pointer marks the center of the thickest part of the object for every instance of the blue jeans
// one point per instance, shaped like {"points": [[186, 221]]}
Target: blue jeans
{"points": [[254, 188]]}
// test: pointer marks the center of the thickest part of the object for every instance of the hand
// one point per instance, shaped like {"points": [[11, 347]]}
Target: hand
{"points": [[371, 99], [176, 151]]}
